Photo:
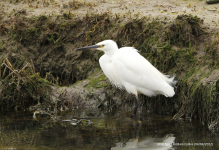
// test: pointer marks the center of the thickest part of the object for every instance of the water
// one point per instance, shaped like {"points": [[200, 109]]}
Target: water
{"points": [[21, 131]]}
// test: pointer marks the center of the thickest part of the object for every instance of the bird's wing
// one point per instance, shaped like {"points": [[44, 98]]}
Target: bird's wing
{"points": [[109, 71], [130, 67]]}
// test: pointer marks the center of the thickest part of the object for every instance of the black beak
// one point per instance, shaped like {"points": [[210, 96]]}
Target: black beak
{"points": [[88, 47]]}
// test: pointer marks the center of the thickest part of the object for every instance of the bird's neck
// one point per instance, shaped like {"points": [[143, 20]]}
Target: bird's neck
{"points": [[111, 52]]}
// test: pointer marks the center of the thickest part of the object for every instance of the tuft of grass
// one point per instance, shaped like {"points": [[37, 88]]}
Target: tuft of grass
{"points": [[21, 88]]}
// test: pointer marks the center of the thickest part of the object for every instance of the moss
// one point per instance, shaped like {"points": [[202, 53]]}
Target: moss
{"points": [[63, 25], [42, 18], [96, 82]]}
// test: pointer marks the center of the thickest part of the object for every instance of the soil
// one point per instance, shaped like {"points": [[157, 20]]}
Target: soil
{"points": [[158, 8]]}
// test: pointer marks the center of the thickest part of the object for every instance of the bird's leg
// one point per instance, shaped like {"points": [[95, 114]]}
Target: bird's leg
{"points": [[135, 106], [140, 111]]}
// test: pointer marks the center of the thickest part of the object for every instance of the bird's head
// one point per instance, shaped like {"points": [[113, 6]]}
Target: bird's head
{"points": [[105, 46]]}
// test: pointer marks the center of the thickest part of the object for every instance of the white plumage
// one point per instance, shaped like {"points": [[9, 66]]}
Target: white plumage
{"points": [[127, 69]]}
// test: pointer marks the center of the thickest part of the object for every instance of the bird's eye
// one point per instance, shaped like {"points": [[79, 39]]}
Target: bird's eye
{"points": [[102, 46]]}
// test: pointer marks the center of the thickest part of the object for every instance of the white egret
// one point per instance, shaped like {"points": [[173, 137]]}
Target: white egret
{"points": [[127, 69]]}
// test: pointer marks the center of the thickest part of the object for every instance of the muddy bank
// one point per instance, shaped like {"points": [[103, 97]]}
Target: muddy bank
{"points": [[41, 69]]}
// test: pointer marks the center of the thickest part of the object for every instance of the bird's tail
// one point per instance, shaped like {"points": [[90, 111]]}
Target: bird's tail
{"points": [[169, 91], [172, 81]]}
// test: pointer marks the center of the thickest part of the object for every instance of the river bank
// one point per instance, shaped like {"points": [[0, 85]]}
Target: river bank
{"points": [[40, 71]]}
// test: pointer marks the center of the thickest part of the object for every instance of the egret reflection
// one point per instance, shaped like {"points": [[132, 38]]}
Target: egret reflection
{"points": [[147, 143]]}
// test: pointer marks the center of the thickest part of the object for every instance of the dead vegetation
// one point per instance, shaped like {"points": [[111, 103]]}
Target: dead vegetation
{"points": [[21, 88]]}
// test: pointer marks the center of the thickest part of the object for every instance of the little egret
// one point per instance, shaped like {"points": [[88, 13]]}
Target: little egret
{"points": [[127, 69]]}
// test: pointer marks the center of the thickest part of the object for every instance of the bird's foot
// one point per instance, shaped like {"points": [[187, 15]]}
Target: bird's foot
{"points": [[139, 121], [132, 116], [140, 116]]}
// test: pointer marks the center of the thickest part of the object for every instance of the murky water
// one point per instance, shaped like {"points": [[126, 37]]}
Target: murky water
{"points": [[99, 133]]}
